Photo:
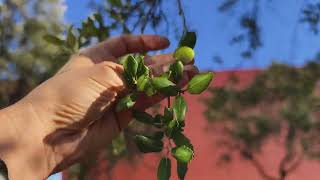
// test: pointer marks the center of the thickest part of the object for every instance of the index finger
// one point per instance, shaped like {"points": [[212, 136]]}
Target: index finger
{"points": [[161, 63], [125, 44]]}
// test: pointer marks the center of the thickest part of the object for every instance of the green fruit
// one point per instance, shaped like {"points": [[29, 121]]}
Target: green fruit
{"points": [[183, 154], [184, 54]]}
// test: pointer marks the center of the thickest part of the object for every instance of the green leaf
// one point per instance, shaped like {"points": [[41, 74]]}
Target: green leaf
{"points": [[170, 91], [168, 114], [199, 83], [126, 102], [144, 85], [188, 39], [103, 33], [149, 89], [98, 17], [177, 70], [165, 86], [179, 108], [158, 121], [164, 169], [88, 28], [147, 144], [116, 3], [130, 66], [53, 40], [157, 135], [166, 74], [142, 68], [161, 82], [183, 154], [71, 39], [172, 127], [180, 140], [142, 82], [123, 59], [131, 82], [182, 169], [143, 117]]}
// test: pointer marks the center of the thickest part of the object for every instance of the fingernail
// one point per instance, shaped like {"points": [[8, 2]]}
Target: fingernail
{"points": [[164, 41]]}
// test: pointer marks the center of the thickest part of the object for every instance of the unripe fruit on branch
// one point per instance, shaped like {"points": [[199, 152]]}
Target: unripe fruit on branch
{"points": [[183, 154], [140, 80], [184, 54]]}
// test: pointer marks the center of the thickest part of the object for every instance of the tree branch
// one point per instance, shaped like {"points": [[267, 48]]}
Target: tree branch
{"points": [[296, 164], [181, 13], [282, 170], [290, 153], [255, 162]]}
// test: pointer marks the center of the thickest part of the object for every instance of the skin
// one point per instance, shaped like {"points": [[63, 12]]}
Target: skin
{"points": [[71, 115]]}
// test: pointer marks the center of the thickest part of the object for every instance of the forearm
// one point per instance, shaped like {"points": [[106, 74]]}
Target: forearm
{"points": [[20, 146]]}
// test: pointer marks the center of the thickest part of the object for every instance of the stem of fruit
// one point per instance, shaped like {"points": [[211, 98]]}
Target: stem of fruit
{"points": [[169, 146], [183, 91]]}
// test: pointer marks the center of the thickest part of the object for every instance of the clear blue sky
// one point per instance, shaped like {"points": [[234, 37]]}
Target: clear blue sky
{"points": [[278, 19], [283, 37]]}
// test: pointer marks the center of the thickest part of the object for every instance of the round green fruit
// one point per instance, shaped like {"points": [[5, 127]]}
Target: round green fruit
{"points": [[184, 54], [183, 154]]}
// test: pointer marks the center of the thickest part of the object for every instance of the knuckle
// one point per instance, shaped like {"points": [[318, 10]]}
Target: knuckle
{"points": [[106, 64], [104, 68]]}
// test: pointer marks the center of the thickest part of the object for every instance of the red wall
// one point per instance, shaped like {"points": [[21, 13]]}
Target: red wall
{"points": [[204, 166]]}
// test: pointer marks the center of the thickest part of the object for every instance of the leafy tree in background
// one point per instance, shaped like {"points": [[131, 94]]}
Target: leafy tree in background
{"points": [[249, 33], [249, 24], [25, 58], [280, 105]]}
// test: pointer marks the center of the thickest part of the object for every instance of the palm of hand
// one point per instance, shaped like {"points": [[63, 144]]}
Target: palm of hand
{"points": [[75, 106]]}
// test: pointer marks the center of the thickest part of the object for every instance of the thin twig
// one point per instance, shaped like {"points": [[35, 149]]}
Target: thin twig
{"points": [[149, 13], [181, 13]]}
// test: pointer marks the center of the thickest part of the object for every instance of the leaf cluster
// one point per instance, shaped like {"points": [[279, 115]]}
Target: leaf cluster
{"points": [[170, 125]]}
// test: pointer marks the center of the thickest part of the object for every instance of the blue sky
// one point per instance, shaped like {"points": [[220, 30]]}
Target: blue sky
{"points": [[55, 177], [284, 39]]}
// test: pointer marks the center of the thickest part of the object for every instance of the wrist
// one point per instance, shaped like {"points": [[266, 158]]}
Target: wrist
{"points": [[21, 138]]}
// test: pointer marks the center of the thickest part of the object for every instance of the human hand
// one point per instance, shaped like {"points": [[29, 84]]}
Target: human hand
{"points": [[73, 112]]}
